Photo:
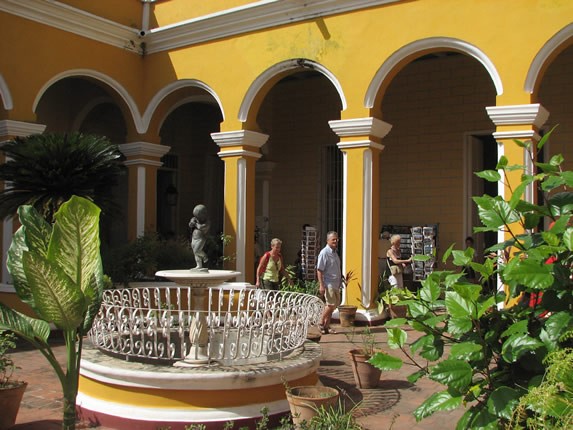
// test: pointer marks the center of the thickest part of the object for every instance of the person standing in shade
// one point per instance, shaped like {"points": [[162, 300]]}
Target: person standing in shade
{"points": [[395, 260], [271, 267], [329, 273]]}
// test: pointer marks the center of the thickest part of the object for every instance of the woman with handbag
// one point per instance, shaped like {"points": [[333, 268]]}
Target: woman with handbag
{"points": [[395, 262]]}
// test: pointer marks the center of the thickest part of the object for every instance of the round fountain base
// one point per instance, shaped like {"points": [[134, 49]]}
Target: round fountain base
{"points": [[125, 395]]}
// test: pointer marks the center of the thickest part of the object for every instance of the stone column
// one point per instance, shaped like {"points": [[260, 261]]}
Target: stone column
{"points": [[520, 122], [143, 160], [9, 129], [240, 150], [360, 142]]}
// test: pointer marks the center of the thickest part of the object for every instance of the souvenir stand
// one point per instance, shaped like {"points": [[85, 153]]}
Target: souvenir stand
{"points": [[309, 252], [416, 240]]}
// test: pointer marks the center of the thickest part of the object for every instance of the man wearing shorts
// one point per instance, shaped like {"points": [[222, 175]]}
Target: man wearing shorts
{"points": [[329, 273]]}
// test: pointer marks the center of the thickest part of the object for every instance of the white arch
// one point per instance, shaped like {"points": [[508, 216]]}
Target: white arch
{"points": [[293, 64], [550, 46], [422, 45], [174, 86], [136, 116], [5, 94]]}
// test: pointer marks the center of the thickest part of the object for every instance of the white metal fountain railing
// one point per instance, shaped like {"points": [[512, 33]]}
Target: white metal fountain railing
{"points": [[244, 325]]}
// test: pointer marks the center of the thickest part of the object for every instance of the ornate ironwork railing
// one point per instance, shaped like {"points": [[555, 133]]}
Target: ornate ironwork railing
{"points": [[244, 325]]}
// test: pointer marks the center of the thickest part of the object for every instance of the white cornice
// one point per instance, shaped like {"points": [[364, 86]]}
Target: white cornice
{"points": [[251, 17], [73, 20], [20, 128], [534, 114], [143, 149], [254, 16], [517, 134], [360, 144], [240, 137], [360, 127]]}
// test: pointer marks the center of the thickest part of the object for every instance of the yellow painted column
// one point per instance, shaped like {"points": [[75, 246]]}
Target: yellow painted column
{"points": [[360, 143], [143, 160], [240, 150], [520, 122], [10, 129]]}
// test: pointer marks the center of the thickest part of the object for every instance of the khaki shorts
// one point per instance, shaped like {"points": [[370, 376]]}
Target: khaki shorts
{"points": [[332, 296]]}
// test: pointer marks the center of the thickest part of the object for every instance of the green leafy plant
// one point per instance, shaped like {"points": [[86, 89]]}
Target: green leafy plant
{"points": [[366, 342], [57, 271], [489, 356], [141, 258], [7, 366], [45, 170], [298, 285]]}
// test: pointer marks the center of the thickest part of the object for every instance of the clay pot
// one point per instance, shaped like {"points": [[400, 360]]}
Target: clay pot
{"points": [[10, 399], [347, 314], [304, 401], [365, 374]]}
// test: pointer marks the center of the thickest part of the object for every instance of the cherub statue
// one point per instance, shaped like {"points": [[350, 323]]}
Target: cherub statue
{"points": [[199, 226]]}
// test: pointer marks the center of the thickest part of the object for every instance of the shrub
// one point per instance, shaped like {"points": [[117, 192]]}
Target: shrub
{"points": [[498, 354]]}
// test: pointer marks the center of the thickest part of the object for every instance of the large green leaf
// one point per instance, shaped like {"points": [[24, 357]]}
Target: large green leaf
{"points": [[430, 293], [561, 203], [529, 273], [459, 326], [441, 401], [37, 229], [396, 337], [502, 402], [431, 347], [489, 175], [33, 234], [14, 265], [75, 242], [456, 374], [558, 324], [458, 306], [57, 297], [385, 362], [517, 345], [30, 329], [468, 351]]}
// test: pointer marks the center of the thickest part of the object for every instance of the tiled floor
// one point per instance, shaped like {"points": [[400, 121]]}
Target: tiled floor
{"points": [[390, 405]]}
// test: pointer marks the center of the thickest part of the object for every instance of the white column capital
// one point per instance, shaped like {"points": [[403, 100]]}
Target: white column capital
{"points": [[368, 126], [240, 137], [10, 127], [228, 139], [529, 114], [143, 153]]}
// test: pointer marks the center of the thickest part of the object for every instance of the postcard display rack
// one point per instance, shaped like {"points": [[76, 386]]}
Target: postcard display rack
{"points": [[309, 253], [423, 241]]}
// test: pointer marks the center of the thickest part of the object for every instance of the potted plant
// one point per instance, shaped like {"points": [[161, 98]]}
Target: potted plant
{"points": [[347, 313], [307, 401], [392, 300], [57, 271], [11, 391], [365, 374]]}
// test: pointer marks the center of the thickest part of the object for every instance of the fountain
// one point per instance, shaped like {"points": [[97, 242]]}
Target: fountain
{"points": [[200, 351]]}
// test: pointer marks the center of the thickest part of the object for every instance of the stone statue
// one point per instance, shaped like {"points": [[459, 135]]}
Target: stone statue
{"points": [[199, 226]]}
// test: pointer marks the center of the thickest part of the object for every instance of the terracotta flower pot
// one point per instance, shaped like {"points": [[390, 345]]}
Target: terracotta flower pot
{"points": [[10, 399], [365, 374], [347, 315], [305, 400]]}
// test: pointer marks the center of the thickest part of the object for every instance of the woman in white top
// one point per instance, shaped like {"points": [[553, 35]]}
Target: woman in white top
{"points": [[395, 259]]}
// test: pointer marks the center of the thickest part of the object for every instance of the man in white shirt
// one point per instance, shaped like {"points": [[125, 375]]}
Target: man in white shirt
{"points": [[329, 273]]}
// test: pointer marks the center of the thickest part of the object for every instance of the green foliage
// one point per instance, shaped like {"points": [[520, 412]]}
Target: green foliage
{"points": [[45, 170], [490, 357], [366, 341], [7, 366], [141, 258], [298, 285], [57, 271]]}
